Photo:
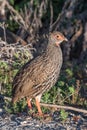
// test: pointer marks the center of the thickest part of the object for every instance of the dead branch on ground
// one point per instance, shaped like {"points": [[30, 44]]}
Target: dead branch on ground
{"points": [[64, 107]]}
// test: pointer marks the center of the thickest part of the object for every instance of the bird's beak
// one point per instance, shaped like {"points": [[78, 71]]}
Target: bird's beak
{"points": [[66, 39]]}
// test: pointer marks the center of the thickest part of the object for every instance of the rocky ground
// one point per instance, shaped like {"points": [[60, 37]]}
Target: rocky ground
{"points": [[75, 121]]}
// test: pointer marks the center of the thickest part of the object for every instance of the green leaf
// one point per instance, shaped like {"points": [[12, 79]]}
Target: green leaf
{"points": [[3, 64], [63, 114], [69, 72], [61, 83], [71, 89], [12, 2], [16, 55]]}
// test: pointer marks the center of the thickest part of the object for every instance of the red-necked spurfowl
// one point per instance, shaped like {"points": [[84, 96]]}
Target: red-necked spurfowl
{"points": [[40, 74]]}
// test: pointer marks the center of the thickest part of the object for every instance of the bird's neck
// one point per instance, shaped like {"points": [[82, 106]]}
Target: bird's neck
{"points": [[53, 54], [53, 50]]}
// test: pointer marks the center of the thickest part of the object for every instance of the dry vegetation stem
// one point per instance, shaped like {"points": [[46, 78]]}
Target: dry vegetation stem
{"points": [[64, 107]]}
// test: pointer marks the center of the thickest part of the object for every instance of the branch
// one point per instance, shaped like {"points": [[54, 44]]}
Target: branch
{"points": [[14, 13], [10, 37], [64, 107], [60, 16], [51, 17], [77, 34]]}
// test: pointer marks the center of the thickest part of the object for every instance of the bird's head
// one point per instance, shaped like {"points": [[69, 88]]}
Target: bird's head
{"points": [[57, 38]]}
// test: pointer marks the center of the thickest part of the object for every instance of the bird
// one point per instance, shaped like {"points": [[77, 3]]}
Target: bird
{"points": [[39, 74]]}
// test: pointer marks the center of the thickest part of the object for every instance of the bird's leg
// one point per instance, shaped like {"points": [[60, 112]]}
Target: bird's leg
{"points": [[29, 103], [38, 105]]}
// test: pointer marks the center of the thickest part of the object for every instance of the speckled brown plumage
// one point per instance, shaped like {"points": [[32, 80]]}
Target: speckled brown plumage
{"points": [[41, 73]]}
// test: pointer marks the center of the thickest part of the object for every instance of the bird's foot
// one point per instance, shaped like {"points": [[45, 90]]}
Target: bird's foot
{"points": [[42, 116]]}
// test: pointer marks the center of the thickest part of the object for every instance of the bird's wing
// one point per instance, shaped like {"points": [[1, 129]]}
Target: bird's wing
{"points": [[32, 74]]}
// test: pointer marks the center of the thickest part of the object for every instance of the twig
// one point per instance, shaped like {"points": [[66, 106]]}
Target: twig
{"points": [[4, 32], [77, 34], [51, 17], [2, 25], [56, 23], [15, 14], [64, 107]]}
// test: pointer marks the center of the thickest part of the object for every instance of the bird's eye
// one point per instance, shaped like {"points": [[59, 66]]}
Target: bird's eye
{"points": [[57, 36]]}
